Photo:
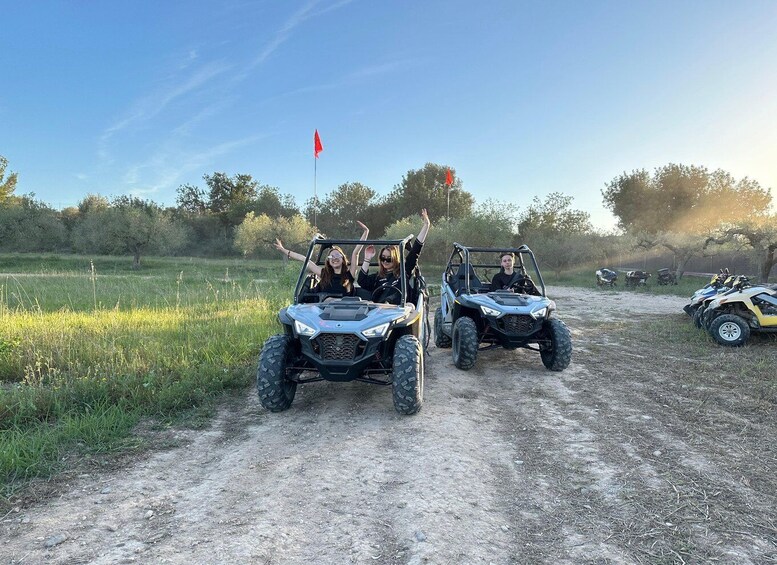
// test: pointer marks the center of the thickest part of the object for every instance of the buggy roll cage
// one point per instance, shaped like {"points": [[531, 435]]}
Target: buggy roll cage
{"points": [[326, 243], [463, 253]]}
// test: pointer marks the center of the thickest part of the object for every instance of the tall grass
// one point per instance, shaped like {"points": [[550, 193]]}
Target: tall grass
{"points": [[85, 354]]}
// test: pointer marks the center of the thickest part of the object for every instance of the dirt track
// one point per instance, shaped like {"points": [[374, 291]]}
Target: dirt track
{"points": [[615, 460]]}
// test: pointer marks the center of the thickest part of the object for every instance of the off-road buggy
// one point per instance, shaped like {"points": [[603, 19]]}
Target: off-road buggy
{"points": [[376, 337], [472, 318], [732, 316]]}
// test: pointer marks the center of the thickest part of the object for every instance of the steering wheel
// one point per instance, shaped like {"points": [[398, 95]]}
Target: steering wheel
{"points": [[523, 285], [385, 292]]}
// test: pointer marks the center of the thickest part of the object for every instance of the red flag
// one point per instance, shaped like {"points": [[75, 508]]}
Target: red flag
{"points": [[317, 147], [448, 178]]}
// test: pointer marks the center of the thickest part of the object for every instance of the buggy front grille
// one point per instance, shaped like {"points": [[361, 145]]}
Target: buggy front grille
{"points": [[336, 346], [517, 324]]}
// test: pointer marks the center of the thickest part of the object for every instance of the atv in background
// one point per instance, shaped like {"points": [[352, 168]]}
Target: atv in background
{"points": [[606, 277], [472, 318], [666, 277], [327, 336], [637, 278]]}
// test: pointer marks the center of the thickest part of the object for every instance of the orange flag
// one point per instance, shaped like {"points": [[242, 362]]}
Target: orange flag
{"points": [[449, 178], [317, 147]]}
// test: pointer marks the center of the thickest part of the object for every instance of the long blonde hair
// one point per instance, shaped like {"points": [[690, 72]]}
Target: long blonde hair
{"points": [[395, 268]]}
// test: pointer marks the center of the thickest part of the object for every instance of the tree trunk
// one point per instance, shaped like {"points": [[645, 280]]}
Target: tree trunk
{"points": [[682, 261], [769, 260], [136, 260]]}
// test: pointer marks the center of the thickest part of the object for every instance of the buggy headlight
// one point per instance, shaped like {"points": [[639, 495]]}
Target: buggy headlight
{"points": [[489, 311], [377, 331], [537, 314], [303, 329]]}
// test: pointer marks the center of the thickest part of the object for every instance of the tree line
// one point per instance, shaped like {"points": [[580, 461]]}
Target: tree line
{"points": [[687, 210]]}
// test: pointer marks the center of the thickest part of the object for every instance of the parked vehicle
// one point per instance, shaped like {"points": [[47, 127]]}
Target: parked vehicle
{"points": [[606, 277], [717, 282], [637, 278], [731, 281], [666, 277], [335, 338], [732, 316], [472, 318]]}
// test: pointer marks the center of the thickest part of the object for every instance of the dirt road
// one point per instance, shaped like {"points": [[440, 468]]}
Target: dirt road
{"points": [[619, 459]]}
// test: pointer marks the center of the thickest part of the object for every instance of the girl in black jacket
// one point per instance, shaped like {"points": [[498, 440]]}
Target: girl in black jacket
{"points": [[389, 267]]}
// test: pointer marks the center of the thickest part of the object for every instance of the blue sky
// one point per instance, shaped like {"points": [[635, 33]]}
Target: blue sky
{"points": [[521, 98]]}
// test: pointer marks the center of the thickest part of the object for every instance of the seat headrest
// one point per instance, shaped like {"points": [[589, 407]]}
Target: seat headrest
{"points": [[462, 272]]}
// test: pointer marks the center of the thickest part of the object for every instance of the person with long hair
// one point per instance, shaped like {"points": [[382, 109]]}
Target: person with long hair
{"points": [[389, 267], [337, 275]]}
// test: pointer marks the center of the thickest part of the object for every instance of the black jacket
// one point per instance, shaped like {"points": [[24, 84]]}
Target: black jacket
{"points": [[335, 285], [502, 280], [375, 281]]}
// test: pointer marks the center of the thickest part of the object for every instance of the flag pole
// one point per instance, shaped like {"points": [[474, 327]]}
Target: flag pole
{"points": [[318, 147], [448, 216], [448, 184]]}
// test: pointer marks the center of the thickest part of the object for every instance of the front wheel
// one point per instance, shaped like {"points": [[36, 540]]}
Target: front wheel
{"points": [[441, 339], [276, 392], [465, 343], [407, 381], [697, 314], [730, 329], [557, 353]]}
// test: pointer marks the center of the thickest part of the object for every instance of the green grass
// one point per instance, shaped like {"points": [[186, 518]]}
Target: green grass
{"points": [[85, 355]]}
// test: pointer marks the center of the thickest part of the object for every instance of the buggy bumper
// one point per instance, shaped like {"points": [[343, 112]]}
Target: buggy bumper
{"points": [[341, 362], [512, 330]]}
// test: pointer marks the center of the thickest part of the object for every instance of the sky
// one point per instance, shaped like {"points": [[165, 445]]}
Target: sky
{"points": [[521, 99]]}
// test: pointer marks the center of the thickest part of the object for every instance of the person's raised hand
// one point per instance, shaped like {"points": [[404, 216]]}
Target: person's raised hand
{"points": [[369, 252]]}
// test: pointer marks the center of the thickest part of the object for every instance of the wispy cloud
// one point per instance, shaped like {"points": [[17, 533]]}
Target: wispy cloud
{"points": [[168, 164], [167, 168], [282, 35], [150, 106], [356, 76]]}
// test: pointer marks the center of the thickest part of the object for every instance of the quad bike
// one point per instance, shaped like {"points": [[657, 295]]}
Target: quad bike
{"points": [[472, 318], [732, 316], [606, 277], [637, 278], [666, 277], [348, 338], [699, 299], [733, 283]]}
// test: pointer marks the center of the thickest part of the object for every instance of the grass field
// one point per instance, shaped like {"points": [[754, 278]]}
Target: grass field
{"points": [[89, 347]]}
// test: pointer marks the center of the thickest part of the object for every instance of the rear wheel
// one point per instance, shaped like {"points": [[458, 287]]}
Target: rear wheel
{"points": [[730, 329], [440, 338], [556, 354], [276, 392], [465, 343], [408, 375]]}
